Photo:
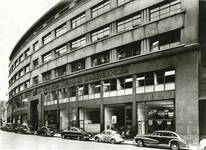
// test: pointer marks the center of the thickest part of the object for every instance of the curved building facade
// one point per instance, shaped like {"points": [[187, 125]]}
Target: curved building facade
{"points": [[130, 65]]}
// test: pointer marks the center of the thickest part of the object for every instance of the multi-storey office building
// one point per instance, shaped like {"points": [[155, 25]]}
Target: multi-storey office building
{"points": [[133, 65]]}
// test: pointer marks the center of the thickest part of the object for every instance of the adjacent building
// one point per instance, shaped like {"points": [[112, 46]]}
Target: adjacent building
{"points": [[132, 65]]}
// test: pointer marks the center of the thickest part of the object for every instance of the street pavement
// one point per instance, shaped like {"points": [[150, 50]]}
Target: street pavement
{"points": [[11, 141]]}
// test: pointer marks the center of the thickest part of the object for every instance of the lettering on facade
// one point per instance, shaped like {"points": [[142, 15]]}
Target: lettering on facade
{"points": [[88, 78]]}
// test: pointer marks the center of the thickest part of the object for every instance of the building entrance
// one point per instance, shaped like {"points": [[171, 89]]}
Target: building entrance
{"points": [[34, 114], [202, 118], [119, 118]]}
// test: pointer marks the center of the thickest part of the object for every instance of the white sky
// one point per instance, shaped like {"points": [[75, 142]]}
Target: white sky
{"points": [[16, 16]]}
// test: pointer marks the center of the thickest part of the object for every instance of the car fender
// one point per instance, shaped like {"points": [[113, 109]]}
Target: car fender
{"points": [[147, 140], [98, 136], [177, 141]]}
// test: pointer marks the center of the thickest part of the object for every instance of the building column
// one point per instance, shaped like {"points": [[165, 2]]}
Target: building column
{"points": [[69, 26], [134, 107], [68, 106], [76, 108], [41, 112], [101, 108], [113, 3], [58, 111], [88, 14], [52, 74], [88, 63], [113, 55]]}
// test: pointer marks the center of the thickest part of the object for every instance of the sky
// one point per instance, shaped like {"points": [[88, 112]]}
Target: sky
{"points": [[16, 16]]}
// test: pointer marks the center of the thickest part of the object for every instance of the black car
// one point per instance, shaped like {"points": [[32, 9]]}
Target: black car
{"points": [[10, 127], [75, 133], [24, 129], [45, 131], [162, 138]]}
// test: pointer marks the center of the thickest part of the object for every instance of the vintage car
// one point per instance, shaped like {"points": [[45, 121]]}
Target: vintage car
{"points": [[203, 144], [10, 127], [45, 131], [76, 133], [24, 129], [110, 136], [163, 139]]}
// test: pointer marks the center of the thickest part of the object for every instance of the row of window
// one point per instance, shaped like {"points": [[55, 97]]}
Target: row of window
{"points": [[166, 40], [122, 25], [155, 81], [156, 43], [20, 88], [19, 74]]}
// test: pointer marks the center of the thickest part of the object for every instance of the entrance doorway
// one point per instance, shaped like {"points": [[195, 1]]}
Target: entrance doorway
{"points": [[119, 118], [202, 118], [34, 114]]}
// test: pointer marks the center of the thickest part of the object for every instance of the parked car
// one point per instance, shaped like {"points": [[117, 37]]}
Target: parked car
{"points": [[162, 138], [24, 129], [203, 144], [109, 136], [45, 131], [10, 127], [76, 133]]}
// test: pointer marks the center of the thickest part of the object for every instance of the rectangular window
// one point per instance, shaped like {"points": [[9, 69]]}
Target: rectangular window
{"points": [[72, 91], [121, 2], [160, 80], [21, 87], [17, 62], [27, 84], [60, 71], [61, 30], [165, 10], [165, 40], [155, 115], [36, 46], [27, 52], [78, 43], [35, 63], [129, 50], [46, 76], [100, 8], [80, 19], [21, 73], [83, 90], [27, 68], [47, 57], [35, 80], [61, 50], [101, 58], [78, 65], [129, 23], [47, 38], [21, 58], [101, 33]]}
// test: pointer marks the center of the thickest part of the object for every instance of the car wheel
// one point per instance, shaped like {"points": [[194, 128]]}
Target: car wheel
{"points": [[112, 141], [78, 138], [96, 139], [174, 146], [140, 143], [63, 136]]}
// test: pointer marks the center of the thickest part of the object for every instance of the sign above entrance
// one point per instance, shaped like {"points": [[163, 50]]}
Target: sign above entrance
{"points": [[88, 78]]}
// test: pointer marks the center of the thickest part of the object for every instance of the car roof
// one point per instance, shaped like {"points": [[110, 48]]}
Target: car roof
{"points": [[113, 131], [163, 131]]}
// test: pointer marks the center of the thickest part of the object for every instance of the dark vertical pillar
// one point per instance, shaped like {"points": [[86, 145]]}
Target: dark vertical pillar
{"points": [[12, 111], [58, 111], [134, 107], [76, 108], [68, 106], [101, 108]]}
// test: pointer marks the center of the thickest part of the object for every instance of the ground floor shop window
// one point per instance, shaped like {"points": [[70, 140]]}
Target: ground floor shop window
{"points": [[51, 118], [155, 115], [89, 119]]}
